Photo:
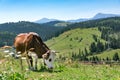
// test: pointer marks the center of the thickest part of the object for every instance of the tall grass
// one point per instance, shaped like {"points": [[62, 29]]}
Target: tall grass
{"points": [[65, 70]]}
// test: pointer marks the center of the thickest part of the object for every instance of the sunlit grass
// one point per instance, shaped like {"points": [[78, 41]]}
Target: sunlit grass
{"points": [[10, 70]]}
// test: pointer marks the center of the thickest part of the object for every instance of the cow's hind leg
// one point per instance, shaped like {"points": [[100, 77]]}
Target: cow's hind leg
{"points": [[21, 64]]}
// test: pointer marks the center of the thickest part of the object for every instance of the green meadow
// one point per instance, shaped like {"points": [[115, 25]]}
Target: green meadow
{"points": [[70, 41], [67, 70]]}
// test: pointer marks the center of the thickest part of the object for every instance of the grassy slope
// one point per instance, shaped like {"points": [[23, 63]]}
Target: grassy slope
{"points": [[74, 40], [108, 53], [70, 42]]}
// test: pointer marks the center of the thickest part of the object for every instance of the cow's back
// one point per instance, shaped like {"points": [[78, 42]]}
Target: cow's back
{"points": [[19, 42]]}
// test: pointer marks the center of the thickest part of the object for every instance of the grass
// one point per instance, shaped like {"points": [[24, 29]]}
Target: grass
{"points": [[10, 70]]}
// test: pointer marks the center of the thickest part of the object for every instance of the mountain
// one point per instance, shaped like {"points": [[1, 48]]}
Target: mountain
{"points": [[102, 15], [97, 16], [45, 20]]}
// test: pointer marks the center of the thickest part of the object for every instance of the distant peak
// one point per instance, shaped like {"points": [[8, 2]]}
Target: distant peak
{"points": [[45, 20], [99, 13], [103, 15]]}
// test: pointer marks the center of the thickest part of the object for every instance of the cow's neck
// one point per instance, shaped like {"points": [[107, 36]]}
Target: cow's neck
{"points": [[45, 49], [41, 47]]}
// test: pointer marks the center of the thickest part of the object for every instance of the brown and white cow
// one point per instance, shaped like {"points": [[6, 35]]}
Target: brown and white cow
{"points": [[31, 45]]}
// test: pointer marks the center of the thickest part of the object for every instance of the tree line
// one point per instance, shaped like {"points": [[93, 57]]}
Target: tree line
{"points": [[8, 31]]}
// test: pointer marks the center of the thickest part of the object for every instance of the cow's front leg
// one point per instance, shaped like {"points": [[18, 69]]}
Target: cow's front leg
{"points": [[29, 62], [36, 59]]}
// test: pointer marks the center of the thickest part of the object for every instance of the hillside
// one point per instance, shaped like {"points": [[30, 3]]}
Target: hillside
{"points": [[8, 31], [74, 40], [107, 53], [77, 40]]}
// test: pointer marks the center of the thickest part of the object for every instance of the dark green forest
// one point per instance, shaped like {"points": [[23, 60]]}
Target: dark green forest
{"points": [[8, 31]]}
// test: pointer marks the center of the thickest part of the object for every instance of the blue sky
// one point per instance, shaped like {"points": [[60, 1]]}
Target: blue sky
{"points": [[31, 10]]}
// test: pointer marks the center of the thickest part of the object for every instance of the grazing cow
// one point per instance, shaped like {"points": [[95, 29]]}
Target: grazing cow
{"points": [[30, 45]]}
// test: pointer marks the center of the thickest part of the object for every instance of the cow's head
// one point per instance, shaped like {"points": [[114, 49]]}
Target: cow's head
{"points": [[49, 58]]}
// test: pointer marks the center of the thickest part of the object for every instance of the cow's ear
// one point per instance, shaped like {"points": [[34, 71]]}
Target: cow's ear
{"points": [[55, 52], [45, 56]]}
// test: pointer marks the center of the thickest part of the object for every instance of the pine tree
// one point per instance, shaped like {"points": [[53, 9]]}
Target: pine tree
{"points": [[93, 47], [116, 57], [100, 46], [86, 52]]}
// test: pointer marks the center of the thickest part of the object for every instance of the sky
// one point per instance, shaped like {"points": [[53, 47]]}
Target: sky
{"points": [[32, 10]]}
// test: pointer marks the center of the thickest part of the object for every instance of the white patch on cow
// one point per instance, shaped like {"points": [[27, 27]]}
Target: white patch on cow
{"points": [[18, 52], [49, 62], [33, 54], [11, 53], [34, 33], [18, 55], [34, 57]]}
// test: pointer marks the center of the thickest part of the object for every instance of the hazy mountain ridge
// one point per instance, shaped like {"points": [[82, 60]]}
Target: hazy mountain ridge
{"points": [[102, 15], [45, 20], [97, 16]]}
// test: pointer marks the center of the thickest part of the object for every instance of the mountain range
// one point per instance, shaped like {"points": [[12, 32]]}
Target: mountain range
{"points": [[97, 16]]}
